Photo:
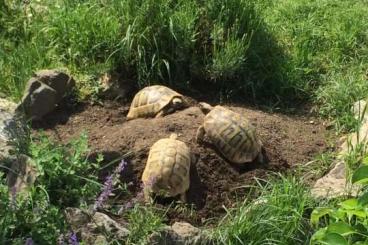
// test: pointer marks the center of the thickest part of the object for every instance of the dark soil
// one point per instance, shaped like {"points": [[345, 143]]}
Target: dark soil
{"points": [[288, 140]]}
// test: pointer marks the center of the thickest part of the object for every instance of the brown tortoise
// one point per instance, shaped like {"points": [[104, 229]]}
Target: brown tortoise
{"points": [[155, 101], [167, 169], [231, 133]]}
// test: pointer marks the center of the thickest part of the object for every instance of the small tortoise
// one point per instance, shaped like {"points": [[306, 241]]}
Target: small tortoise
{"points": [[231, 134], [167, 169], [155, 101]]}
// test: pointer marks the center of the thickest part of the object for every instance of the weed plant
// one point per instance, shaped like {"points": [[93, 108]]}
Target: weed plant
{"points": [[66, 178]]}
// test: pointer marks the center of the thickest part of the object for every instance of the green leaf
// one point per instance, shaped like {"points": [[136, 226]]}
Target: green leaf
{"points": [[341, 228], [359, 213], [360, 175], [363, 199], [318, 213], [333, 239], [365, 160], [319, 235], [349, 204], [361, 243]]}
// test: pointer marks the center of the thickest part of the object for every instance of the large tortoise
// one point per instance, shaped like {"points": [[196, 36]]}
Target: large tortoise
{"points": [[167, 169], [231, 133], [155, 101]]}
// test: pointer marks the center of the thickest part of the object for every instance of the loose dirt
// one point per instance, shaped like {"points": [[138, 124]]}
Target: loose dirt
{"points": [[288, 140]]}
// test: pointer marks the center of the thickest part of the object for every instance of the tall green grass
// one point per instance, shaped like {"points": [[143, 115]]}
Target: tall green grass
{"points": [[165, 41], [326, 43], [264, 51]]}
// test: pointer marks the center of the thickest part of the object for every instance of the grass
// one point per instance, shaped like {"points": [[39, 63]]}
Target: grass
{"points": [[326, 44], [278, 216], [263, 51]]}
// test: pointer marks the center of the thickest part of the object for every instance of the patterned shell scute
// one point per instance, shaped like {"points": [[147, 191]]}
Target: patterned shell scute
{"points": [[167, 168], [150, 100], [232, 134]]}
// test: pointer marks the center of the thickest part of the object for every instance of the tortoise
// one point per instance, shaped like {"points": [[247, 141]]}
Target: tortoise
{"points": [[231, 133], [155, 101], [167, 169]]}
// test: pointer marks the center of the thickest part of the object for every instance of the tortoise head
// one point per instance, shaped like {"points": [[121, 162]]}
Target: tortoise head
{"points": [[173, 136], [205, 108], [177, 103]]}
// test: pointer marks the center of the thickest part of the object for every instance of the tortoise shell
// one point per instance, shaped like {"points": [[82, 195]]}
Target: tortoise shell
{"points": [[232, 134], [151, 100], [167, 169]]}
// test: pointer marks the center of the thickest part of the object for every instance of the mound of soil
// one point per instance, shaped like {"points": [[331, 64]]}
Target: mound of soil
{"points": [[215, 183]]}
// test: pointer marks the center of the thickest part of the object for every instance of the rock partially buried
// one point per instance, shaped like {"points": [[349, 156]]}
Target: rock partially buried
{"points": [[43, 92], [334, 183]]}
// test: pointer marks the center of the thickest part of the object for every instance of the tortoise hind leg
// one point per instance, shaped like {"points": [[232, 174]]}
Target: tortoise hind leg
{"points": [[261, 158], [183, 197], [200, 134]]}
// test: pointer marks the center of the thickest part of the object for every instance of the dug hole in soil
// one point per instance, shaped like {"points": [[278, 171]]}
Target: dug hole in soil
{"points": [[288, 140]]}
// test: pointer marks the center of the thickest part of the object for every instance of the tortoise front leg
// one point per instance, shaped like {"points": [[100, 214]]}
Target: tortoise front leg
{"points": [[147, 195], [200, 134], [160, 114]]}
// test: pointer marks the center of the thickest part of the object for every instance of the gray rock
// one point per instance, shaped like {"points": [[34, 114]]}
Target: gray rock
{"points": [[360, 109], [43, 92], [180, 233], [95, 228], [12, 130], [185, 230], [21, 175], [39, 99], [76, 217], [334, 183], [61, 82], [103, 223]]}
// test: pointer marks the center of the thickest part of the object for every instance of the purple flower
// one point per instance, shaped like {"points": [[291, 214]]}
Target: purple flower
{"points": [[121, 167], [29, 241], [106, 191], [108, 185], [73, 240]]}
